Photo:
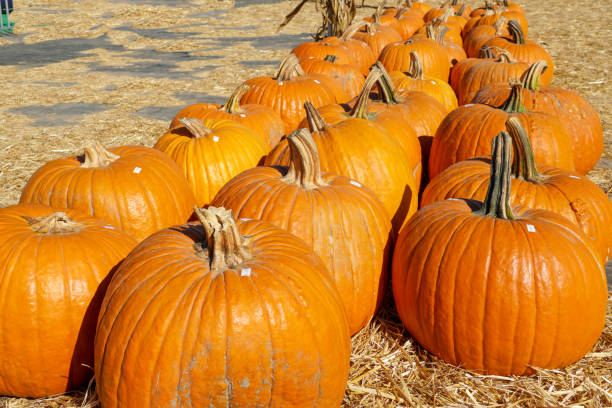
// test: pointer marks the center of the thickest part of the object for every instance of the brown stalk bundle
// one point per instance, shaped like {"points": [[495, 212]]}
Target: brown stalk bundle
{"points": [[337, 15]]}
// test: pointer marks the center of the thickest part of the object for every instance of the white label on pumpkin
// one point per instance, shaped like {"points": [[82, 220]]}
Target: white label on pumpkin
{"points": [[280, 83], [242, 115], [316, 81], [356, 184], [576, 177], [137, 170], [453, 199], [215, 138], [246, 219], [433, 82], [401, 90], [530, 228], [109, 227], [245, 272]]}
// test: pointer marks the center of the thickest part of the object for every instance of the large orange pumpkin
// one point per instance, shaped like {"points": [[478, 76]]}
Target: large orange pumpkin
{"points": [[573, 111], [361, 53], [287, 91], [222, 314], [54, 269], [377, 36], [561, 191], [136, 188], [348, 77], [211, 152], [496, 288], [322, 209], [479, 35], [263, 120], [467, 132]]}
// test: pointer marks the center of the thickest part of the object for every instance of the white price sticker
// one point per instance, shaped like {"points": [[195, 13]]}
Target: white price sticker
{"points": [[355, 183], [137, 170], [245, 272], [531, 228]]}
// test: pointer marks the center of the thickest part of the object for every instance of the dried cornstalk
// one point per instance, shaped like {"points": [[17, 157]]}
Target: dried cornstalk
{"points": [[337, 15]]}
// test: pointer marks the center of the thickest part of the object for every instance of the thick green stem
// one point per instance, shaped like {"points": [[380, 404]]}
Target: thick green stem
{"points": [[385, 84], [518, 37], [497, 202], [360, 110], [531, 77], [304, 165], [514, 103], [523, 164], [315, 121], [226, 248], [233, 102]]}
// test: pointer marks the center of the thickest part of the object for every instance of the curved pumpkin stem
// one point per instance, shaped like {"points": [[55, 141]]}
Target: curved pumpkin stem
{"points": [[289, 68], [233, 102], [461, 10], [316, 123], [523, 165], [360, 110], [304, 164], [196, 127], [497, 53], [401, 12], [56, 223], [531, 77], [415, 70], [497, 201], [97, 156], [226, 248], [385, 84], [518, 37], [352, 29], [514, 103], [499, 24], [448, 12]]}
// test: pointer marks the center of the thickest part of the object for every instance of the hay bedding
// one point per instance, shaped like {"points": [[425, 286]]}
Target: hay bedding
{"points": [[121, 44]]}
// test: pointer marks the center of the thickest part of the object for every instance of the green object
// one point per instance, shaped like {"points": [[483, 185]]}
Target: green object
{"points": [[7, 26]]}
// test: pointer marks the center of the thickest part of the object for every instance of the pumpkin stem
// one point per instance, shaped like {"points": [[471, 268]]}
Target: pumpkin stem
{"points": [[385, 83], [531, 77], [196, 127], [449, 11], [233, 102], [514, 103], [289, 68], [415, 70], [316, 123], [360, 110], [56, 223], [497, 201], [304, 164], [401, 12], [523, 164], [331, 58], [226, 248], [461, 10], [97, 156], [498, 25], [518, 37], [497, 53], [352, 29]]}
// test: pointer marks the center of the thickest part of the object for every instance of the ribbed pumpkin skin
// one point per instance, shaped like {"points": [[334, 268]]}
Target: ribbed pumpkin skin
{"points": [[263, 120], [359, 51], [174, 334], [321, 49], [572, 110], [358, 149], [478, 36], [468, 130], [379, 38], [288, 97], [434, 87], [210, 161], [52, 286], [348, 77], [564, 192], [346, 225], [141, 192], [396, 57], [409, 23], [490, 295]]}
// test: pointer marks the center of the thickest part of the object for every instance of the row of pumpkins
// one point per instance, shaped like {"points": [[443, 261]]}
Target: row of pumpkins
{"points": [[253, 302]]}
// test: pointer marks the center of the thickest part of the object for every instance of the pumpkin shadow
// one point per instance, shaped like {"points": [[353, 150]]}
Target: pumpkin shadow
{"points": [[400, 215]]}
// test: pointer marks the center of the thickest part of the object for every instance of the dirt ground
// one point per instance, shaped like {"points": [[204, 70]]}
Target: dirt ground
{"points": [[118, 70]]}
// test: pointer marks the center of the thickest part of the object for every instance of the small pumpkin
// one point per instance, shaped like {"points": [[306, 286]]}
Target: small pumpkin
{"points": [[55, 266], [210, 152], [523, 50], [417, 6], [321, 49], [479, 35], [459, 9], [468, 130], [348, 77], [363, 55], [573, 111], [490, 17], [561, 191], [377, 36], [415, 80], [287, 91], [222, 313], [135, 188], [322, 212], [263, 120], [496, 288], [409, 22]]}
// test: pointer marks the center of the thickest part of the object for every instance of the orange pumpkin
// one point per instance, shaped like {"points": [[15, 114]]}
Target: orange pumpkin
{"points": [[322, 212], [434, 58], [479, 35], [523, 50], [287, 91], [573, 111], [54, 269], [323, 48], [135, 188], [495, 288], [415, 80], [409, 22], [223, 313], [561, 191], [459, 9], [361, 53], [211, 152], [491, 17], [468, 130], [262, 119], [348, 77], [377, 36], [417, 6]]}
